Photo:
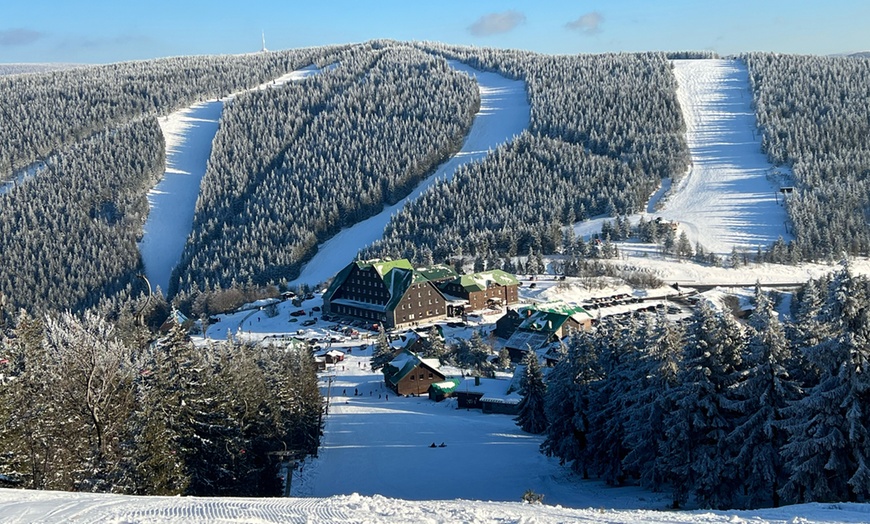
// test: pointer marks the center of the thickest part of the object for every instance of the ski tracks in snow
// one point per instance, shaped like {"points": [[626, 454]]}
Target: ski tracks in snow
{"points": [[725, 200]]}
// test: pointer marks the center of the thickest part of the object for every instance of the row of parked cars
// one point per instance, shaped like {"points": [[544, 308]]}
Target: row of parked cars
{"points": [[613, 300]]}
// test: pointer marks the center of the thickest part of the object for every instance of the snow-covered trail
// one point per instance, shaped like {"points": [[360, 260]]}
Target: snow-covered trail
{"points": [[378, 446], [504, 113], [726, 199], [188, 134]]}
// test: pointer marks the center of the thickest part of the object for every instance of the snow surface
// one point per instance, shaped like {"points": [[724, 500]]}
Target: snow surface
{"points": [[188, 134], [19, 507], [504, 113], [729, 198], [726, 199]]}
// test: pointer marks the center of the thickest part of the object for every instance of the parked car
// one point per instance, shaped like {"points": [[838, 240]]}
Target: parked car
{"points": [[315, 308], [298, 313], [309, 322]]}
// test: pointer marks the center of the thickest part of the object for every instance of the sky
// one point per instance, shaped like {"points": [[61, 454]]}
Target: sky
{"points": [[101, 31]]}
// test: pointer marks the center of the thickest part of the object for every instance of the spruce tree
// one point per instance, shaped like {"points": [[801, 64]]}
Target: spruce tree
{"points": [[383, 352], [531, 416], [762, 397], [829, 428], [697, 456]]}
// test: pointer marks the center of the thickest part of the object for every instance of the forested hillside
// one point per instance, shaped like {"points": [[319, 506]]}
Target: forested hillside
{"points": [[69, 231], [605, 130], [40, 113], [68, 235], [291, 166], [815, 118]]}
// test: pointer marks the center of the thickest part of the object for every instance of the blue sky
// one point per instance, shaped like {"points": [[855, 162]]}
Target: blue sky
{"points": [[99, 31]]}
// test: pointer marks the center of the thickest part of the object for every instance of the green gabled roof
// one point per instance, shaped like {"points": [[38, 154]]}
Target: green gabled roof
{"points": [[404, 363], [562, 308], [544, 321], [438, 272], [397, 275], [481, 281], [384, 267]]}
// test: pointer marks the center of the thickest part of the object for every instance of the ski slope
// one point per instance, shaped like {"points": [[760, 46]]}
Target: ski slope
{"points": [[725, 200], [188, 135], [504, 113], [27, 507]]}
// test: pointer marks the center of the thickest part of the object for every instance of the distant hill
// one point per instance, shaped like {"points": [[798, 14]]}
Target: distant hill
{"points": [[15, 69]]}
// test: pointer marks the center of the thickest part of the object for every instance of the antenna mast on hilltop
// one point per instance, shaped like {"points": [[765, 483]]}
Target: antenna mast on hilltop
{"points": [[264, 42]]}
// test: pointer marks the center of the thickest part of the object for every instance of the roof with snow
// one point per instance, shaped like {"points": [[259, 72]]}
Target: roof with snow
{"points": [[490, 390], [438, 272], [447, 386], [524, 340], [407, 361], [486, 279]]}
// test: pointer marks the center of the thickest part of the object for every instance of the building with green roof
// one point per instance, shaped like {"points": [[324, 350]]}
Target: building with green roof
{"points": [[494, 288], [409, 374], [541, 324], [388, 292]]}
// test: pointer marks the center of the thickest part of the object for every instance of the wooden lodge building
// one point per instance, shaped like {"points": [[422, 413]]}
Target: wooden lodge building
{"points": [[409, 374], [388, 292], [398, 295], [484, 289]]}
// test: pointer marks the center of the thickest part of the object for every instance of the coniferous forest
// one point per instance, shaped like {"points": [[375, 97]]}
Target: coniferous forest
{"points": [[91, 400], [814, 118], [719, 413], [292, 166], [90, 404]]}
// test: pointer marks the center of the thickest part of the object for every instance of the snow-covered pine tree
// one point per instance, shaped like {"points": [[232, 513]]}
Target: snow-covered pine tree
{"points": [[618, 354], [829, 428], [28, 416], [697, 456], [567, 402], [650, 401], [383, 352], [761, 398], [531, 416]]}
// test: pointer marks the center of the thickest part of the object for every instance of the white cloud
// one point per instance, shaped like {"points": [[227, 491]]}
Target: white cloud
{"points": [[496, 23]]}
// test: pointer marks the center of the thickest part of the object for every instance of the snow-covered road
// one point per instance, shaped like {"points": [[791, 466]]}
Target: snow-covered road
{"points": [[504, 113], [726, 199]]}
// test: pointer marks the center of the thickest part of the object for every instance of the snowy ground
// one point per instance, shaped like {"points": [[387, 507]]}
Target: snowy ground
{"points": [[375, 446], [504, 113], [20, 507], [726, 199], [729, 198], [188, 134]]}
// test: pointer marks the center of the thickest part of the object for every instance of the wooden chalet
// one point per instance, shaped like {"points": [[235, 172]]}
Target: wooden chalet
{"points": [[494, 288], [546, 323], [409, 374], [388, 292]]}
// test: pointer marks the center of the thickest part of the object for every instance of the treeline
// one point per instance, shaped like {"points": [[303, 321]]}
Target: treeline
{"points": [[718, 413], [604, 130], [69, 234], [814, 117], [42, 113], [290, 167], [86, 405]]}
